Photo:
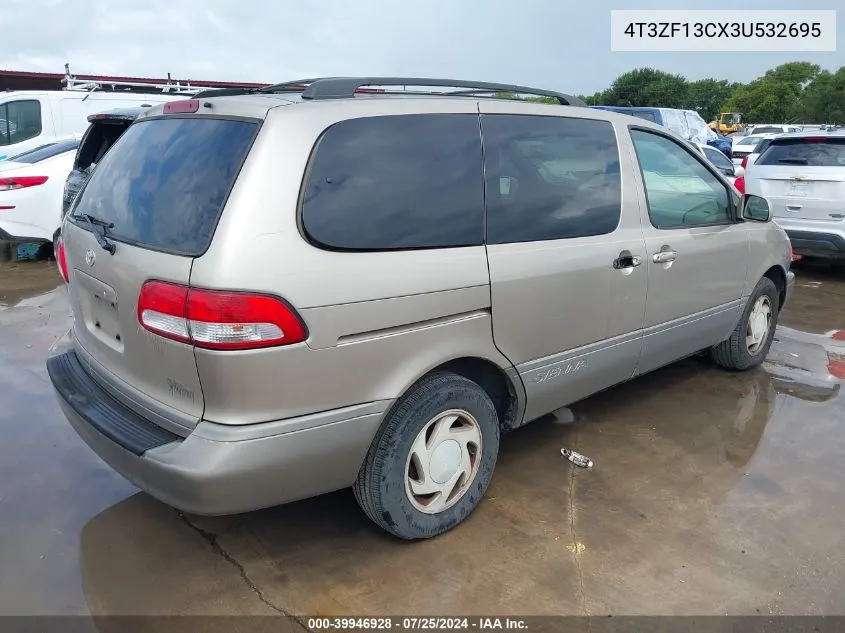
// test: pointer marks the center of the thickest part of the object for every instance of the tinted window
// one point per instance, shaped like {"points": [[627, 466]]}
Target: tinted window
{"points": [[648, 116], [44, 152], [718, 158], [680, 190], [828, 152], [164, 182], [19, 121], [397, 182], [550, 178]]}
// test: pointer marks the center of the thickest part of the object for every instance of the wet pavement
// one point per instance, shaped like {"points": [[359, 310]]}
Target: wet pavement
{"points": [[712, 493]]}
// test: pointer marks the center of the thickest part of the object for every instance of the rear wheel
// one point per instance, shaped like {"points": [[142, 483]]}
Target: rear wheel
{"points": [[749, 343], [432, 459]]}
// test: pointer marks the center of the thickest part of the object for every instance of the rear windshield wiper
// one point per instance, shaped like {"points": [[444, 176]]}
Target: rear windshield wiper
{"points": [[793, 161], [100, 228]]}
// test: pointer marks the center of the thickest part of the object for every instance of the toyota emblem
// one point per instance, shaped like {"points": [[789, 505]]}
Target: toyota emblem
{"points": [[90, 257]]}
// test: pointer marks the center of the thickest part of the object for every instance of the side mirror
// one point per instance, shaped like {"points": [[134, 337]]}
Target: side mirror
{"points": [[756, 209], [739, 171], [730, 170]]}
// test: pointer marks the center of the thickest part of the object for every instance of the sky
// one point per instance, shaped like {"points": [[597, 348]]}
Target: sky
{"points": [[541, 43]]}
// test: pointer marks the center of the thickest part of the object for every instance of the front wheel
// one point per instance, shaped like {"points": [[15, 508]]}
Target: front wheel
{"points": [[432, 459], [749, 343]]}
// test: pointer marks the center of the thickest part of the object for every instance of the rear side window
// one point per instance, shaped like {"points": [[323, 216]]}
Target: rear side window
{"points": [[19, 121], [164, 182], [45, 151], [550, 178], [396, 182], [826, 152]]}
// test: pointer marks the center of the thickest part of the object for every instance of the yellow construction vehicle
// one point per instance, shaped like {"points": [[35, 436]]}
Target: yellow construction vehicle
{"points": [[728, 122]]}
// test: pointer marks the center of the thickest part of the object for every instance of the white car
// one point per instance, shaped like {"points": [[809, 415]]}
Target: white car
{"points": [[31, 186], [745, 146], [721, 162], [767, 128]]}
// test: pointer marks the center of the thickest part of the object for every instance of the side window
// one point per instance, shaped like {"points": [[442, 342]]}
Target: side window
{"points": [[550, 178], [680, 190], [718, 159], [396, 182], [19, 121]]}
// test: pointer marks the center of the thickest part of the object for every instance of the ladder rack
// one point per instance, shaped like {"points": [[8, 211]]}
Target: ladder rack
{"points": [[171, 87]]}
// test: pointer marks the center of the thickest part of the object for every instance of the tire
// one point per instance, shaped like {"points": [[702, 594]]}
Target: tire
{"points": [[735, 352], [383, 489]]}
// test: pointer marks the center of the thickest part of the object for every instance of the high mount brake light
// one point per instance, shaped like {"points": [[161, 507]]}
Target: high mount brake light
{"points": [[215, 319], [184, 106]]}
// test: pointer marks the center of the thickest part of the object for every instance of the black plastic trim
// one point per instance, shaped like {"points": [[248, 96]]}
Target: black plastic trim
{"points": [[803, 241], [346, 87], [93, 404]]}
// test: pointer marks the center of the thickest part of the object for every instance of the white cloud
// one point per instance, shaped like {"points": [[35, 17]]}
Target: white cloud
{"points": [[547, 43]]}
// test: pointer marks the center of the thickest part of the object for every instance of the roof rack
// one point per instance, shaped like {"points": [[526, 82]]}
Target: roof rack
{"points": [[171, 87], [346, 87]]}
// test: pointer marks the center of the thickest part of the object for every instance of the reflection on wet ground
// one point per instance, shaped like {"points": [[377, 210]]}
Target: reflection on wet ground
{"points": [[712, 492]]}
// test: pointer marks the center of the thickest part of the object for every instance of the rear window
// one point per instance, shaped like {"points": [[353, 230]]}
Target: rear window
{"points": [[829, 152], [164, 182], [44, 152], [396, 182]]}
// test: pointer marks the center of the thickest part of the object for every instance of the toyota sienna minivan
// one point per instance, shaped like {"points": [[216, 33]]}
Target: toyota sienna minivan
{"points": [[308, 287]]}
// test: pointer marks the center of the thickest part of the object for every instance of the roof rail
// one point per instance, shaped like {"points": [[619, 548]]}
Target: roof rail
{"points": [[346, 87], [289, 86]]}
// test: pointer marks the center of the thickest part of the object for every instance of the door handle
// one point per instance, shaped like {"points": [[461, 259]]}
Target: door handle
{"points": [[664, 257], [626, 261]]}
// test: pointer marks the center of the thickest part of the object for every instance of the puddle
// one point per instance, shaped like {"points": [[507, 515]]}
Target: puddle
{"points": [[712, 492]]}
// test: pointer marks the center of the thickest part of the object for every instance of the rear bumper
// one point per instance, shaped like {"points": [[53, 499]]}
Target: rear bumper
{"points": [[218, 469], [817, 243]]}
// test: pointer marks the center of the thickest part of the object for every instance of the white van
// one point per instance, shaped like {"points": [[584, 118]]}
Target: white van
{"points": [[34, 118]]}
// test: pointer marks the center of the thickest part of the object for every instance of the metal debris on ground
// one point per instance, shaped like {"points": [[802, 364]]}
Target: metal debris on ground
{"points": [[582, 461]]}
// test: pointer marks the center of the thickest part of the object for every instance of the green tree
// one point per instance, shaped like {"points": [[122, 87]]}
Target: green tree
{"points": [[648, 87], [823, 100], [797, 74], [709, 96], [766, 101]]}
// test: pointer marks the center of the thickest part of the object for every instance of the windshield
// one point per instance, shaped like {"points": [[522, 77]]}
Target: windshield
{"points": [[43, 152]]}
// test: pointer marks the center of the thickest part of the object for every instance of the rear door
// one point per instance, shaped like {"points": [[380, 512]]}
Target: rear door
{"points": [[163, 186], [803, 178], [564, 247], [696, 251]]}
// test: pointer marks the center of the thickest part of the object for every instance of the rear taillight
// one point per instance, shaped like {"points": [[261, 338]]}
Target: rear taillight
{"points": [[61, 258], [739, 183], [744, 163], [215, 319], [21, 182]]}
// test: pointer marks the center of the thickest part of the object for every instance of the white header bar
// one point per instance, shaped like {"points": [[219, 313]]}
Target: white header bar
{"points": [[717, 30]]}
